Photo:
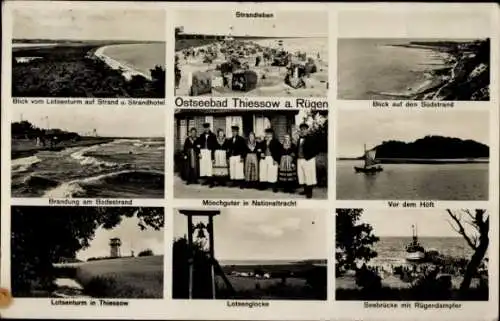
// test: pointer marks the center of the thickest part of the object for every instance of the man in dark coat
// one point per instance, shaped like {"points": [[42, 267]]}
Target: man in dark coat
{"points": [[206, 145], [306, 161], [269, 160], [236, 154]]}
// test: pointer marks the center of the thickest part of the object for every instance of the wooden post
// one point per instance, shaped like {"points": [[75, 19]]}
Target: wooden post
{"points": [[190, 247], [211, 251]]}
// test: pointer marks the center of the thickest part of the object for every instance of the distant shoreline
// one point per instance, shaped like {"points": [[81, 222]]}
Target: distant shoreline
{"points": [[27, 151], [421, 160], [127, 71]]}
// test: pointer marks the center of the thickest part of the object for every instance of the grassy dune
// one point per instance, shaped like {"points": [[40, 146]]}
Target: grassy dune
{"points": [[138, 277]]}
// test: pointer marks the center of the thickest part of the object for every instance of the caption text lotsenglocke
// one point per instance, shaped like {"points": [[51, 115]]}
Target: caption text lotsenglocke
{"points": [[414, 305], [247, 304], [91, 101], [235, 102], [412, 104]]}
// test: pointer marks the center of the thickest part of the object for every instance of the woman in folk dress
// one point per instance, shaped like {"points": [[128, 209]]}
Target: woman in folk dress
{"points": [[220, 166], [252, 161], [191, 164], [287, 174]]}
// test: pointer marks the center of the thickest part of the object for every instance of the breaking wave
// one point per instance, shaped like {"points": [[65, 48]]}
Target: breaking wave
{"points": [[88, 160], [121, 179], [23, 164]]}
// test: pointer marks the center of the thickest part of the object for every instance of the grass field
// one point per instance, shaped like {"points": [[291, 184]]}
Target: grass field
{"points": [[138, 277]]}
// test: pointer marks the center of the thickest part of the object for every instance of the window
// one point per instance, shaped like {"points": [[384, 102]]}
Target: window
{"points": [[232, 121], [261, 123]]}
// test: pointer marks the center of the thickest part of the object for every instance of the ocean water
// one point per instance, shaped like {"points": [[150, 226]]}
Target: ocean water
{"points": [[141, 57], [391, 250], [413, 182], [310, 45], [123, 168], [374, 69]]}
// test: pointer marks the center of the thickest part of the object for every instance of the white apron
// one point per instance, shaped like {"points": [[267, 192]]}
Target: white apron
{"points": [[236, 168], [306, 171], [268, 171], [205, 163]]}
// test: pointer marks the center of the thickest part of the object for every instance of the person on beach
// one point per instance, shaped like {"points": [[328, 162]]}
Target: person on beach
{"points": [[270, 156], [191, 168], [236, 153], [306, 161], [220, 165], [252, 161], [206, 144], [287, 173]]}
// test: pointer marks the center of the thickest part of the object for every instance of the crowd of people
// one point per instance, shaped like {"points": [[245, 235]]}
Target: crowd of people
{"points": [[251, 162]]}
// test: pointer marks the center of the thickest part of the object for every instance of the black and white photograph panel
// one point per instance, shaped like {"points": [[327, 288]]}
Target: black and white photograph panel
{"points": [[88, 52], [225, 53], [431, 254], [87, 151], [414, 69], [417, 155], [266, 254], [243, 153], [87, 252]]}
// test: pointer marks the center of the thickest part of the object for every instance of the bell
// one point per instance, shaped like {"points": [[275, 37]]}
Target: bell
{"points": [[201, 234]]}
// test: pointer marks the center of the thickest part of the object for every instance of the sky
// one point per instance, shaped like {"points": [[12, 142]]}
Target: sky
{"points": [[132, 239], [265, 234], [108, 120], [398, 222], [90, 24], [408, 23], [284, 23], [355, 128]]}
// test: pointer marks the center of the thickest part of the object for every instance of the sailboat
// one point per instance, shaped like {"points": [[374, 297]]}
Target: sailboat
{"points": [[414, 250], [370, 163]]}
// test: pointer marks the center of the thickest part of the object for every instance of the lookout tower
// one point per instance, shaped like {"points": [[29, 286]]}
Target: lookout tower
{"points": [[114, 245], [202, 228]]}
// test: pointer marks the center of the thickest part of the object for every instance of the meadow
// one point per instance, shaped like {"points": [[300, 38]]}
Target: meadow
{"points": [[137, 277]]}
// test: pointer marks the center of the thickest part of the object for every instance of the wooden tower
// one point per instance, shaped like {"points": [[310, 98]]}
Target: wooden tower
{"points": [[114, 245]]}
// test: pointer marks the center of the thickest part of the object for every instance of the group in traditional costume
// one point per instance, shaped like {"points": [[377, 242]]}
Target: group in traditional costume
{"points": [[248, 163]]}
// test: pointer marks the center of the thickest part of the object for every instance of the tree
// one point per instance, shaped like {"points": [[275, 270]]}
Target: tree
{"points": [[477, 239], [353, 240], [147, 252], [40, 239]]}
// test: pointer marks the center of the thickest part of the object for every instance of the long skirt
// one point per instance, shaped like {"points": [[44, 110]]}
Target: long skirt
{"points": [[287, 172], [251, 168], [220, 167], [191, 170], [306, 170], [268, 170], [236, 168], [205, 163]]}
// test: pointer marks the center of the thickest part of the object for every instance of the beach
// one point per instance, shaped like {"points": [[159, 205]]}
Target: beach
{"points": [[270, 80], [416, 70]]}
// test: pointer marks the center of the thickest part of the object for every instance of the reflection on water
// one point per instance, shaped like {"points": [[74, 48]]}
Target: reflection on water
{"points": [[413, 182]]}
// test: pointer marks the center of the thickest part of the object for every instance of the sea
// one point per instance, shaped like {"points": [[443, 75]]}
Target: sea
{"points": [[141, 57], [391, 250], [123, 168], [371, 69], [413, 182]]}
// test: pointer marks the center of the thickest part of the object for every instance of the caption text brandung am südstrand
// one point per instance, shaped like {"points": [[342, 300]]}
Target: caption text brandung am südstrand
{"points": [[92, 302], [414, 305], [90, 202], [254, 203], [235, 102], [411, 204], [412, 104], [91, 101]]}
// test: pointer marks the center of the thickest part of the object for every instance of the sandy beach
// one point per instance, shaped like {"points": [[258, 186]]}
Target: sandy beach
{"points": [[270, 78], [127, 71]]}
